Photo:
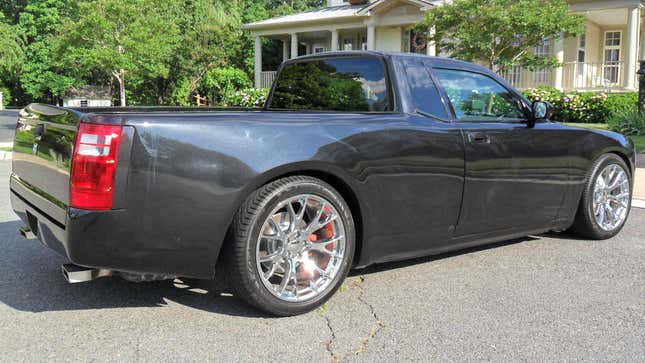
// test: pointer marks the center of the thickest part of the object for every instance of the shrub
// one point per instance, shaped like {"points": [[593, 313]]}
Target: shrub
{"points": [[6, 96], [630, 123], [583, 107], [221, 83], [250, 97], [621, 102]]}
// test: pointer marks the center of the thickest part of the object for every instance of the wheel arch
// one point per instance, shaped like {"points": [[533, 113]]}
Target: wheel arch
{"points": [[620, 152], [330, 174]]}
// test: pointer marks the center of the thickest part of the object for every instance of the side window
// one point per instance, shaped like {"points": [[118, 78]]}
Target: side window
{"points": [[476, 97], [424, 92], [352, 84]]}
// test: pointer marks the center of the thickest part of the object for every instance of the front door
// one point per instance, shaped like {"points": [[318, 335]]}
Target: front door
{"points": [[516, 177]]}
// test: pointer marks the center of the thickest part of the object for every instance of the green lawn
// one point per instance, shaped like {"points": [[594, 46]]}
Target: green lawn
{"points": [[639, 141], [591, 126]]}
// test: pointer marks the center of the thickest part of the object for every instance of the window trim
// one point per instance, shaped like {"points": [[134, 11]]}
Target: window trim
{"points": [[392, 97], [453, 114], [619, 48]]}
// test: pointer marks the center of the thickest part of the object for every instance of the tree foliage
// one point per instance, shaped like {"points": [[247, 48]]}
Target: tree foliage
{"points": [[159, 51], [501, 33]]}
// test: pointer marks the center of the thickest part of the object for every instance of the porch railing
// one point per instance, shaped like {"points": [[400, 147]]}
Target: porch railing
{"points": [[523, 78], [604, 75], [575, 76], [267, 78]]}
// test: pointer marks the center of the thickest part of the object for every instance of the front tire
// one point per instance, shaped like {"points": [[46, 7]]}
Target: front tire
{"points": [[606, 199], [291, 246]]}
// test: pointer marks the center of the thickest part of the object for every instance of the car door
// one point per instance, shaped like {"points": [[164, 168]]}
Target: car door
{"points": [[515, 176]]}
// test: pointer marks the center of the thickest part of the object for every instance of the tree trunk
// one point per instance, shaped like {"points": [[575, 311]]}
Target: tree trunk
{"points": [[121, 79]]}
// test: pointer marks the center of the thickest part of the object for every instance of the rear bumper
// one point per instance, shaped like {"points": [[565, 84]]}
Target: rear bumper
{"points": [[104, 240]]}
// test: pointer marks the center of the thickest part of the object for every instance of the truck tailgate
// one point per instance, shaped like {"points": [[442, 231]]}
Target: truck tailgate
{"points": [[43, 148]]}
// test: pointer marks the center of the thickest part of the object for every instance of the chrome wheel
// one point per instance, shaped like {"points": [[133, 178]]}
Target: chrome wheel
{"points": [[300, 248], [611, 197]]}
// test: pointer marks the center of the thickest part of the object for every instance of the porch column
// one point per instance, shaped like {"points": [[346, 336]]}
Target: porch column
{"points": [[371, 37], [258, 61], [285, 49], [294, 45], [631, 55], [642, 42], [431, 47], [558, 52], [334, 40]]}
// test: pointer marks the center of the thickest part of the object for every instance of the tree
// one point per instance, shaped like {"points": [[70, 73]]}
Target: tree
{"points": [[42, 76], [501, 33], [115, 39], [11, 47]]}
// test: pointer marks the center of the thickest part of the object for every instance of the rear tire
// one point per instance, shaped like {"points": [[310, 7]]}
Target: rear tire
{"points": [[606, 199], [279, 257]]}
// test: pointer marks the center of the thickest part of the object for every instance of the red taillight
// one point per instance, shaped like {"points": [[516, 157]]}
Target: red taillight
{"points": [[93, 166]]}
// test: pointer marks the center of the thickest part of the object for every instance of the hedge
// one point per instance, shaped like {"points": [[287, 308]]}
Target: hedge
{"points": [[584, 107]]}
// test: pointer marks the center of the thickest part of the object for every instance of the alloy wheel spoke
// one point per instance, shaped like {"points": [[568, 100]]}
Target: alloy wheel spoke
{"points": [[274, 257], [609, 215], [321, 246], [601, 215], [618, 201], [288, 276], [276, 227]]}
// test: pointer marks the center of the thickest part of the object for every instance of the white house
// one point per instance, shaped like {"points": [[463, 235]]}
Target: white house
{"points": [[604, 58], [88, 96]]}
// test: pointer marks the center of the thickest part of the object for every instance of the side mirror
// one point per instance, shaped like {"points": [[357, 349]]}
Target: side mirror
{"points": [[540, 111]]}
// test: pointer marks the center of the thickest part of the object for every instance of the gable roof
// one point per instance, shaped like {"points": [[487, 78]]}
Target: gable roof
{"points": [[89, 91], [423, 4], [330, 13]]}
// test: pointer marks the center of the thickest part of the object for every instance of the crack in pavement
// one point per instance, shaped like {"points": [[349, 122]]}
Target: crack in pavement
{"points": [[331, 340], [377, 326]]}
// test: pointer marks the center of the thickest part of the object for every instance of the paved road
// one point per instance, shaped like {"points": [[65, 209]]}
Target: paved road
{"points": [[547, 298], [7, 125]]}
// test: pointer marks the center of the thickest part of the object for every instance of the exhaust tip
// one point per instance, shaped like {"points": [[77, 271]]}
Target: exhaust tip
{"points": [[26, 233], [77, 274]]}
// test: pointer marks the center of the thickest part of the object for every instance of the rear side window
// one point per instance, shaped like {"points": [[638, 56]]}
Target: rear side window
{"points": [[424, 92], [476, 97], [354, 84]]}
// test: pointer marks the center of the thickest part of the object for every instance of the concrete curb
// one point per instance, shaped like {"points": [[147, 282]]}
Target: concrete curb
{"points": [[638, 203]]}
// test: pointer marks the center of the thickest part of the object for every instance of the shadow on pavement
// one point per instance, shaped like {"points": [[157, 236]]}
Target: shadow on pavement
{"points": [[31, 280], [421, 260]]}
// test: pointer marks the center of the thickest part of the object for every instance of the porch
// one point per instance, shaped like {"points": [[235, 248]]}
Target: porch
{"points": [[394, 39], [604, 58], [378, 25]]}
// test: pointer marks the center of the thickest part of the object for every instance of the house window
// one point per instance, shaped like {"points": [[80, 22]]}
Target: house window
{"points": [[319, 50], [582, 54], [612, 63], [83, 103], [541, 75]]}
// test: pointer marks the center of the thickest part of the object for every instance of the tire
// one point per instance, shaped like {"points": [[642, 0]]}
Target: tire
{"points": [[586, 222], [283, 212]]}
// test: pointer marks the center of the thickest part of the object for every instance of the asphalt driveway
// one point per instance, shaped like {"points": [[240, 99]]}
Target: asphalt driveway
{"points": [[544, 298], [7, 125]]}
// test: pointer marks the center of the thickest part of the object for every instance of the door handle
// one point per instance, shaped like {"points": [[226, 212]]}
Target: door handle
{"points": [[478, 138]]}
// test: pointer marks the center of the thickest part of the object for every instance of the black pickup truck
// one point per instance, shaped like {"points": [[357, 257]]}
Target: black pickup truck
{"points": [[357, 158]]}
